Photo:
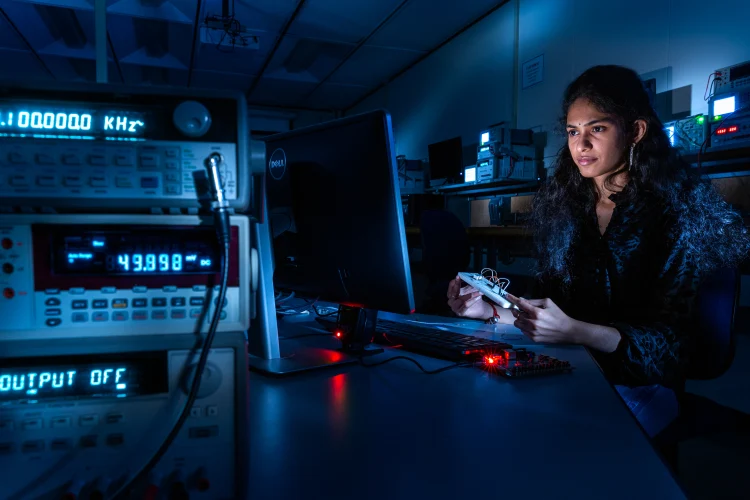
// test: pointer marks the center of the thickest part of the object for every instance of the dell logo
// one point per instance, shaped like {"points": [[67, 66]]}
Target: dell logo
{"points": [[277, 164]]}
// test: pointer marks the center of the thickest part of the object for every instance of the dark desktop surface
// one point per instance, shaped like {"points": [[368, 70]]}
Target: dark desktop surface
{"points": [[393, 432]]}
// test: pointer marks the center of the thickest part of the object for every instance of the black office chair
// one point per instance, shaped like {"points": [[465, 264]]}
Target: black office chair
{"points": [[714, 342], [445, 252], [712, 354]]}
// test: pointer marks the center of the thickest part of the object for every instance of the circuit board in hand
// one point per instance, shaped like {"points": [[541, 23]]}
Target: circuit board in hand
{"points": [[492, 290], [518, 363]]}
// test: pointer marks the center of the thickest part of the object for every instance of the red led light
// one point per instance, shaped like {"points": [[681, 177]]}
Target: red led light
{"points": [[203, 484], [733, 128], [721, 131], [338, 335], [490, 360]]}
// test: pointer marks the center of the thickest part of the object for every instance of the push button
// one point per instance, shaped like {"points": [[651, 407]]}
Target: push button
{"points": [[115, 439], [88, 441], [120, 316], [80, 317], [60, 422], [140, 315], [179, 314], [88, 420], [100, 316], [32, 446]]}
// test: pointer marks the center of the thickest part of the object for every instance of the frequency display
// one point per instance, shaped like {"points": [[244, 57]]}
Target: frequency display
{"points": [[85, 376], [135, 252], [40, 120]]}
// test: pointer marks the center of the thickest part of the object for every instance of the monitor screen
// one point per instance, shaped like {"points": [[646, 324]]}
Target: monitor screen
{"points": [[446, 159], [334, 189]]}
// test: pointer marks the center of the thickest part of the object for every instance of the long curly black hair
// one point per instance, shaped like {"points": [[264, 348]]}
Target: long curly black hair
{"points": [[713, 233]]}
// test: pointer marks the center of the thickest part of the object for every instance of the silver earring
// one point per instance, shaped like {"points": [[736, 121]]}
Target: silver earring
{"points": [[632, 149]]}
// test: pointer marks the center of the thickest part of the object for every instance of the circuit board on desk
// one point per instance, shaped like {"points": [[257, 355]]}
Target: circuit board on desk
{"points": [[522, 363]]}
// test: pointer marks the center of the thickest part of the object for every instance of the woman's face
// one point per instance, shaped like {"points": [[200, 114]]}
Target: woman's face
{"points": [[596, 142]]}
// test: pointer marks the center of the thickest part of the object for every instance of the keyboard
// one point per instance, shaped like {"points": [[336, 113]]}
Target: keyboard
{"points": [[435, 342], [432, 342]]}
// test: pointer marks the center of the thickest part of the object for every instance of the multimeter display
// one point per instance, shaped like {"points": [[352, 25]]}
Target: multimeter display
{"points": [[135, 251]]}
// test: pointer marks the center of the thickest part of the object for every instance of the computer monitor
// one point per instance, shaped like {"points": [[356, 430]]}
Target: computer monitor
{"points": [[334, 187], [446, 159]]}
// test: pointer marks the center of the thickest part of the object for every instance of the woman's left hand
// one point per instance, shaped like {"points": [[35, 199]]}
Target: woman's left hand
{"points": [[542, 321]]}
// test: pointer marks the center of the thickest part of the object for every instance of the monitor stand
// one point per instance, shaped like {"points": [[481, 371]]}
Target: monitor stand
{"points": [[264, 350], [355, 328]]}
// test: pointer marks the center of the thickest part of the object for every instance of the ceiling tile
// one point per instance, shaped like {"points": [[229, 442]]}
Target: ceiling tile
{"points": [[68, 69], [212, 57], [265, 15], [175, 11], [424, 24], [25, 66], [277, 92], [220, 81], [372, 66], [9, 38], [305, 59], [30, 22], [148, 42], [335, 96], [68, 4], [149, 75], [349, 21]]}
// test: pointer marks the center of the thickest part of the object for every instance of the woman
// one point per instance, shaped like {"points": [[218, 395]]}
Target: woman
{"points": [[624, 231]]}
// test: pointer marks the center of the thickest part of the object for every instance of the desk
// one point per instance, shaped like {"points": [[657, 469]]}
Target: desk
{"points": [[391, 432]]}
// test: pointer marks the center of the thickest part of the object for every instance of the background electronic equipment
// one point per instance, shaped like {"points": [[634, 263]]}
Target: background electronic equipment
{"points": [[76, 417], [350, 243], [688, 134], [108, 147], [521, 363], [732, 78], [470, 173], [506, 154], [506, 136], [729, 102], [732, 131], [446, 160], [108, 275], [487, 170]]}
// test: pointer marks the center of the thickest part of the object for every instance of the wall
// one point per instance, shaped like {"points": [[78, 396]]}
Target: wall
{"points": [[458, 90]]}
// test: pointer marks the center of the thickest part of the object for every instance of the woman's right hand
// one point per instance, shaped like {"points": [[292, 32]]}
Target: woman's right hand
{"points": [[467, 301]]}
